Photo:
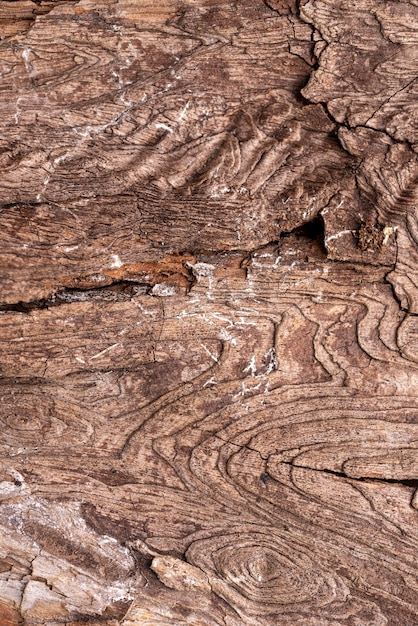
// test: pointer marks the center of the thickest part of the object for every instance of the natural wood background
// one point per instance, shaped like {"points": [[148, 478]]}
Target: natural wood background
{"points": [[209, 335]]}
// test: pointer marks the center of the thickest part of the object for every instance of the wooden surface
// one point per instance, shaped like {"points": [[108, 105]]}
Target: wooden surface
{"points": [[208, 318]]}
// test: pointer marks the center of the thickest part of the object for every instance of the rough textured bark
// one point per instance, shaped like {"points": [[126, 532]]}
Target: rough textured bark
{"points": [[209, 299]]}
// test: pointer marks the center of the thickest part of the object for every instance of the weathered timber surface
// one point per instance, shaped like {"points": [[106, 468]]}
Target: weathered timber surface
{"points": [[208, 313]]}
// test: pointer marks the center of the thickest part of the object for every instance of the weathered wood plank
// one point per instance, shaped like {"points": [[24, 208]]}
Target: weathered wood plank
{"points": [[208, 313]]}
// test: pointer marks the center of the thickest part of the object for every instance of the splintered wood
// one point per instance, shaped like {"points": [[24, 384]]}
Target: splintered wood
{"points": [[208, 313]]}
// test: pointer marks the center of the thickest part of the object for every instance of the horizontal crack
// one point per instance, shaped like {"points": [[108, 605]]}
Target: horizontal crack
{"points": [[118, 291], [407, 482]]}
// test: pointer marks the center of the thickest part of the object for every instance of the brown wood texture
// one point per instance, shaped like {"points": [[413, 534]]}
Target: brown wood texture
{"points": [[208, 318]]}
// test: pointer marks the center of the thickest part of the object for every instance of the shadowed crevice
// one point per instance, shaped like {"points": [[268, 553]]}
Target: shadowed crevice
{"points": [[118, 291], [406, 482], [312, 231]]}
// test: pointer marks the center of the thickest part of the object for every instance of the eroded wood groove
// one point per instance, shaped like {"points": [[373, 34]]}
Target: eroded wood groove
{"points": [[208, 313]]}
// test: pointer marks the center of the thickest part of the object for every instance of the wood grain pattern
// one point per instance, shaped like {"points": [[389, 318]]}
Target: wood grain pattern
{"points": [[208, 327]]}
